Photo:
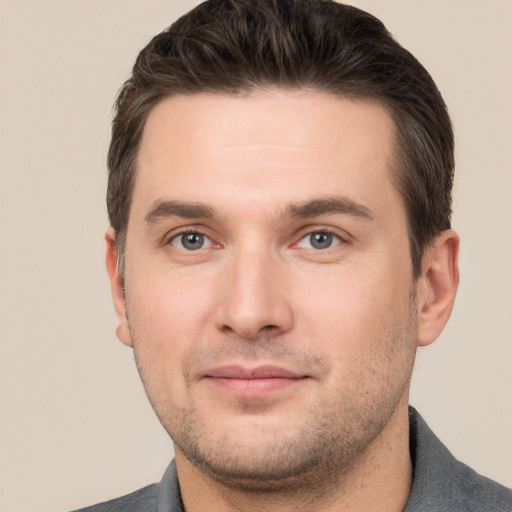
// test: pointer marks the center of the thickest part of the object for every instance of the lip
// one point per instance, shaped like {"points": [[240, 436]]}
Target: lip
{"points": [[246, 373], [254, 382]]}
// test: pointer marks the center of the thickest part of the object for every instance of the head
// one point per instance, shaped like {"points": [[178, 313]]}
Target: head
{"points": [[238, 46], [279, 195]]}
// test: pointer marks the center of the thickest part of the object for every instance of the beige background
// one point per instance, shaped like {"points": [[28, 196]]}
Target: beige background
{"points": [[76, 427]]}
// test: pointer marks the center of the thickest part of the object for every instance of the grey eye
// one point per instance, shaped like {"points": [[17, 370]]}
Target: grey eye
{"points": [[191, 241], [319, 240]]}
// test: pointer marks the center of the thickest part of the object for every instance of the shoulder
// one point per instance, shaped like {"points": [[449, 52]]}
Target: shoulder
{"points": [[442, 483], [479, 493], [163, 496], [142, 500]]}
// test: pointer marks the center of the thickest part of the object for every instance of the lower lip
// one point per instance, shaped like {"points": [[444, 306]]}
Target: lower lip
{"points": [[254, 387]]}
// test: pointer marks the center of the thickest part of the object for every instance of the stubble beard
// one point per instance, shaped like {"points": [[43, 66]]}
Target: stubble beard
{"points": [[331, 440], [316, 455]]}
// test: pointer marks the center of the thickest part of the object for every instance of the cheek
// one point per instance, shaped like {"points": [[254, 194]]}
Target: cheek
{"points": [[168, 319], [164, 324], [351, 314], [368, 335]]}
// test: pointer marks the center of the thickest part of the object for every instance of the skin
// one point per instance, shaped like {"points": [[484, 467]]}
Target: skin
{"points": [[279, 367]]}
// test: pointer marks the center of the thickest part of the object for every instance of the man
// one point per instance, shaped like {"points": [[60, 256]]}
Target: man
{"points": [[280, 179]]}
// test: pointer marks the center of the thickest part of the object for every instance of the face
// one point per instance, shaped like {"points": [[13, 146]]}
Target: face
{"points": [[269, 291]]}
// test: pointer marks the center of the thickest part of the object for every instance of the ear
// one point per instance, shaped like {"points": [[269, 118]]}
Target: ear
{"points": [[116, 285], [437, 286]]}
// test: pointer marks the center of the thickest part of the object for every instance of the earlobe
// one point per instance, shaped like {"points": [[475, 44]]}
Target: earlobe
{"points": [[117, 288], [437, 286]]}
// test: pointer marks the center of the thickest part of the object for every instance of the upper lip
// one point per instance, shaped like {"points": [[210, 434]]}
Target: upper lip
{"points": [[258, 372]]}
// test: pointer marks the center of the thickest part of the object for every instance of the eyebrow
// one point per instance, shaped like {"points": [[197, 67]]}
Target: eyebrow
{"points": [[329, 205], [314, 208], [165, 209]]}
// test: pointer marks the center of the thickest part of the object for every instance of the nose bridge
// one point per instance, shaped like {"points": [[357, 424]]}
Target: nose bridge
{"points": [[255, 297]]}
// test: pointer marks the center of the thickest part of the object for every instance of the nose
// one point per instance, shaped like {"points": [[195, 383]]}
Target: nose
{"points": [[255, 297]]}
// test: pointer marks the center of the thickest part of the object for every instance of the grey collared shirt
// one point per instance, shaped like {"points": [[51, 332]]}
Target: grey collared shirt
{"points": [[440, 483]]}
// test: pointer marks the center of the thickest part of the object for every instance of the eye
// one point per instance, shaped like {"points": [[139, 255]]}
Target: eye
{"points": [[319, 240], [191, 241]]}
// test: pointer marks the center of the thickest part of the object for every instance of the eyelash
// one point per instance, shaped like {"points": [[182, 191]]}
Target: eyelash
{"points": [[324, 231], [329, 232], [190, 231]]}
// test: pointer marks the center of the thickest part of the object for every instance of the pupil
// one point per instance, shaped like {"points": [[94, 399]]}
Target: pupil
{"points": [[193, 241], [321, 240]]}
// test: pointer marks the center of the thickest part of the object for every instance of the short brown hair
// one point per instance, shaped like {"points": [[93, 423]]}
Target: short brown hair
{"points": [[233, 46]]}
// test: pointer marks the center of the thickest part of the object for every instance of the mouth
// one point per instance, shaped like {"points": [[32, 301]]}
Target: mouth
{"points": [[253, 381]]}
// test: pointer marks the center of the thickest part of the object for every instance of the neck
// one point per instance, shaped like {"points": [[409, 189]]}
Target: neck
{"points": [[380, 480]]}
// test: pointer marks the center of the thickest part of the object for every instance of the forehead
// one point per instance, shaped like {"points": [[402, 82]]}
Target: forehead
{"points": [[269, 147]]}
